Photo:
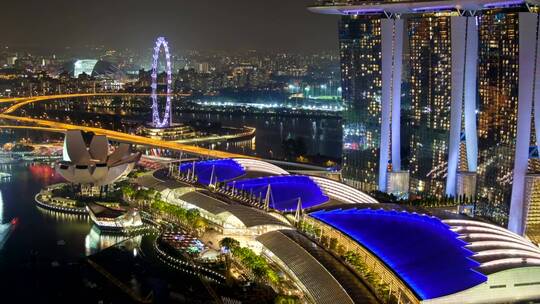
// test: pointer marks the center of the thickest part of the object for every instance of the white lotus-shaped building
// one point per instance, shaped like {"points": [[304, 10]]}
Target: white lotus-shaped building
{"points": [[89, 162]]}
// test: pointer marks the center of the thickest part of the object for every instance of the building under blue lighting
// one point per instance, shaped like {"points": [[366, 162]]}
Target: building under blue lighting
{"points": [[420, 249], [284, 191], [224, 170]]}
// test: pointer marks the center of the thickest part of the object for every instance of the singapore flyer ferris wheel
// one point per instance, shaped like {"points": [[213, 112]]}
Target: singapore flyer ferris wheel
{"points": [[167, 116]]}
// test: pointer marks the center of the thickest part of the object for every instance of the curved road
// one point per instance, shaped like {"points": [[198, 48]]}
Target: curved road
{"points": [[22, 101], [114, 135]]}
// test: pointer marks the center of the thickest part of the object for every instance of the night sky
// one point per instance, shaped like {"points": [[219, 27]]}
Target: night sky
{"points": [[188, 24]]}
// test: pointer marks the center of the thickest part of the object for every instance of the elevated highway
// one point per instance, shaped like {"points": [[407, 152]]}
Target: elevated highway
{"points": [[22, 101], [54, 126]]}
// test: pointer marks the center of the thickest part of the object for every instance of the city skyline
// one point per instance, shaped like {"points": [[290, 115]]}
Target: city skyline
{"points": [[252, 151]]}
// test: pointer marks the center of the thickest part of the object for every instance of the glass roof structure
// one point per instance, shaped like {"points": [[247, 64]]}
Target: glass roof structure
{"points": [[284, 191], [420, 249], [224, 170]]}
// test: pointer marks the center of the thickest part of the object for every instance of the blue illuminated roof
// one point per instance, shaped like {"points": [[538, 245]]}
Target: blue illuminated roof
{"points": [[285, 191], [224, 170], [421, 250]]}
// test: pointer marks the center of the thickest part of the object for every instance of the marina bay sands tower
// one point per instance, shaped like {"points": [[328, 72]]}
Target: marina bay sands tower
{"points": [[440, 97]]}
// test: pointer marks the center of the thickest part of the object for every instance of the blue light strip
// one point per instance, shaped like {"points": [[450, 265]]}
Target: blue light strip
{"points": [[421, 250], [434, 8], [502, 4], [285, 191], [224, 170]]}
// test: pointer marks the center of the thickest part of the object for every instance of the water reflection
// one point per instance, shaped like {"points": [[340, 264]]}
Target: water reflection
{"points": [[63, 217], [97, 240], [321, 135], [45, 173]]}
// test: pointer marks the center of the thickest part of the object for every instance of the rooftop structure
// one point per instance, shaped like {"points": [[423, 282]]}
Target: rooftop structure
{"points": [[342, 192], [312, 277], [359, 7], [113, 219], [95, 68], [231, 215], [283, 192], [419, 265], [253, 177], [255, 165], [443, 259], [212, 171]]}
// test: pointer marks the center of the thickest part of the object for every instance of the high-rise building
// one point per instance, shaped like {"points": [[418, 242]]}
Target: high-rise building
{"points": [[472, 80], [461, 70], [429, 114], [360, 48], [498, 70], [203, 67], [426, 121]]}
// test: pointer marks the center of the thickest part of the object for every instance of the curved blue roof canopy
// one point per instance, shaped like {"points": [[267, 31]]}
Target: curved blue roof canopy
{"points": [[422, 250], [224, 170], [284, 191]]}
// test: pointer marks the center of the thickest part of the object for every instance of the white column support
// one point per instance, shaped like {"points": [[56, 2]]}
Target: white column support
{"points": [[528, 63], [396, 94], [464, 91], [471, 93], [387, 33], [391, 56]]}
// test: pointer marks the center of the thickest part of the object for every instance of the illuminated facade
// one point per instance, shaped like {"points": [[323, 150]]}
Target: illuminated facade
{"points": [[360, 47], [454, 259], [528, 121], [172, 133], [107, 218], [472, 72], [91, 165], [427, 119], [98, 69], [498, 68], [532, 203], [85, 66], [430, 73]]}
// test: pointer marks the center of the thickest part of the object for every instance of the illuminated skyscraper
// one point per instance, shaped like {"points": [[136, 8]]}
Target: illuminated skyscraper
{"points": [[426, 127], [360, 48], [430, 69], [498, 70], [473, 79], [524, 201]]}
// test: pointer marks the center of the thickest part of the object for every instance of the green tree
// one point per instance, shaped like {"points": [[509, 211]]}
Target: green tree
{"points": [[192, 215], [229, 243], [128, 192]]}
